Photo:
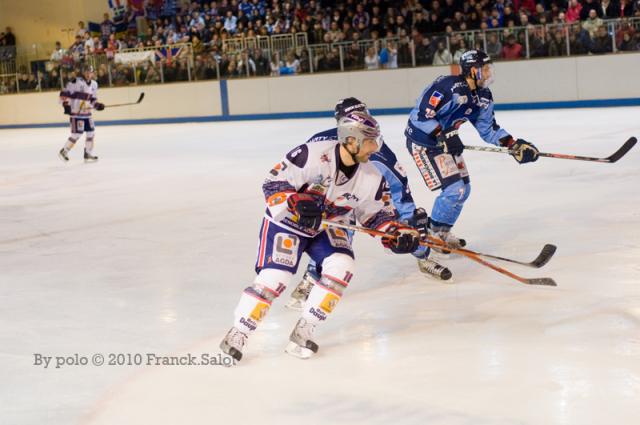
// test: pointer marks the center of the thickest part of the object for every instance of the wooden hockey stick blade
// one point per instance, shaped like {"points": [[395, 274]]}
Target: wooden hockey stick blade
{"points": [[623, 149]]}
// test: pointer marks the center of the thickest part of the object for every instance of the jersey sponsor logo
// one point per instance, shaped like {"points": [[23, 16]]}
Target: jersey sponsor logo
{"points": [[329, 302], [259, 311], [426, 169], [446, 165], [338, 238], [429, 113], [248, 323], [281, 166], [436, 98], [285, 249], [461, 100], [318, 313], [468, 111], [276, 199]]}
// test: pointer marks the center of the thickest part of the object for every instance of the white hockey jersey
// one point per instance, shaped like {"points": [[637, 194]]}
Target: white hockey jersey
{"points": [[81, 95], [314, 168]]}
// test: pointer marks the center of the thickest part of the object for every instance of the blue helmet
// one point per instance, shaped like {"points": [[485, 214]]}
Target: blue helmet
{"points": [[473, 59]]}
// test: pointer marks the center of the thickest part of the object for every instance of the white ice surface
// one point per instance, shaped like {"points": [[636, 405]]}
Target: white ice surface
{"points": [[149, 249]]}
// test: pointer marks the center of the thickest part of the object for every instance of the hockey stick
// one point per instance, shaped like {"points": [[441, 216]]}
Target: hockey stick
{"points": [[543, 258], [626, 147], [474, 256], [127, 104]]}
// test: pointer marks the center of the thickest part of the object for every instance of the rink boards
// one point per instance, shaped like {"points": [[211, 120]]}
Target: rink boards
{"points": [[588, 81]]}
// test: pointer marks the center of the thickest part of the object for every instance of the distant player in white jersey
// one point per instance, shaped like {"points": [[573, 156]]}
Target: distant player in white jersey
{"points": [[329, 179], [79, 98]]}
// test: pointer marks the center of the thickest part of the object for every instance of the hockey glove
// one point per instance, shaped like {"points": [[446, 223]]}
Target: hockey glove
{"points": [[67, 108], [307, 209], [420, 221], [521, 150], [401, 239], [450, 141], [99, 106]]}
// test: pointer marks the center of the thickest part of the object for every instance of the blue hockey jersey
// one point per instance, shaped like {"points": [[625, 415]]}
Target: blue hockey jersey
{"points": [[449, 101]]}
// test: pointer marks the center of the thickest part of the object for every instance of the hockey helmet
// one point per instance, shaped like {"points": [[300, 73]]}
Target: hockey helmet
{"points": [[359, 125], [350, 104], [476, 59]]}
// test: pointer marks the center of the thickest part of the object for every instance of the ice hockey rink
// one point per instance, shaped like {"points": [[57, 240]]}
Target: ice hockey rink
{"points": [[148, 250]]}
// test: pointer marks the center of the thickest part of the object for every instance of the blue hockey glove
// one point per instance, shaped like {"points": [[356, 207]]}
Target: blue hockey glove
{"points": [[451, 141], [401, 239], [307, 209], [521, 150], [420, 221]]}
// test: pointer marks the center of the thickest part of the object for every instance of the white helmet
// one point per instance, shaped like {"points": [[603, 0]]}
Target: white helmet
{"points": [[360, 126]]}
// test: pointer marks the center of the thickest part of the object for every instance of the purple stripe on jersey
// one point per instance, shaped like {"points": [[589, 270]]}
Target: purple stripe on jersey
{"points": [[81, 96]]}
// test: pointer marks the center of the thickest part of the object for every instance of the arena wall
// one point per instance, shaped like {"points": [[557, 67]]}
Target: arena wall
{"points": [[590, 81]]}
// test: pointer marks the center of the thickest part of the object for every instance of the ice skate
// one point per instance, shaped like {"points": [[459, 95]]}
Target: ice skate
{"points": [[233, 343], [89, 157], [63, 155], [435, 270], [300, 343], [301, 293], [450, 239]]}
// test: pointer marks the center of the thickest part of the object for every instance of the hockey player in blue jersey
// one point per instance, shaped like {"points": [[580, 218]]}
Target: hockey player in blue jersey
{"points": [[436, 148], [387, 163]]}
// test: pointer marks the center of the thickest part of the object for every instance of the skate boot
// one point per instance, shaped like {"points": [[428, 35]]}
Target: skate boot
{"points": [[301, 292], [63, 155], [89, 157], [233, 343], [300, 343], [433, 269], [450, 239]]}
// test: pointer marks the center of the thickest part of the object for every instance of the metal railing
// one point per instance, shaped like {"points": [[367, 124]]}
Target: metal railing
{"points": [[290, 53]]}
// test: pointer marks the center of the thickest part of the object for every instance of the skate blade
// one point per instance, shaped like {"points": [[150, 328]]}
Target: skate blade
{"points": [[297, 351], [63, 159], [89, 161], [295, 305]]}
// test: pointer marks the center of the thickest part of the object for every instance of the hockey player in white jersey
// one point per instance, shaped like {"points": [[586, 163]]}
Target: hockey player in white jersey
{"points": [[79, 98], [332, 180]]}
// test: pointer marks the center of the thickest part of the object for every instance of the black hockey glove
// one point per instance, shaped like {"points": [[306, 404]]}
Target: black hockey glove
{"points": [[521, 150], [307, 209], [67, 108], [401, 239], [450, 141], [420, 221], [99, 106]]}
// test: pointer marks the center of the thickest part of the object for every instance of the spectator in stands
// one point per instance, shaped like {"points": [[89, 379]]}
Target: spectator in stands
{"points": [[102, 76], [592, 24], [246, 63], [58, 53], [587, 7], [9, 38], [576, 44], [274, 65], [625, 28], [462, 47], [81, 31], [106, 29], [627, 43], [512, 50], [602, 42], [371, 59], [494, 47], [442, 56], [625, 9], [557, 45], [537, 44], [261, 62], [609, 9]]}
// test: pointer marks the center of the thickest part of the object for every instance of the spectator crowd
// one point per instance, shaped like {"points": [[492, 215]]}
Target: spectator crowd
{"points": [[402, 32]]}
